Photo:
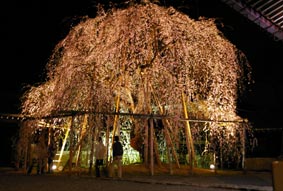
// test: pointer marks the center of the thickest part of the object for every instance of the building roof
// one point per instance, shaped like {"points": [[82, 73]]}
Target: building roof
{"points": [[268, 14]]}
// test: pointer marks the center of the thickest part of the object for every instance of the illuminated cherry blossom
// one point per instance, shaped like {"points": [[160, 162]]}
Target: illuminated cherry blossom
{"points": [[148, 56]]}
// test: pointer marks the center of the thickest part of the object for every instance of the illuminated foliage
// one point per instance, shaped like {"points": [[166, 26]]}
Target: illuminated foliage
{"points": [[148, 55]]}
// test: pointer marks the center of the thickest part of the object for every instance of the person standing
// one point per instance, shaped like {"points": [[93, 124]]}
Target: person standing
{"points": [[117, 156], [100, 151]]}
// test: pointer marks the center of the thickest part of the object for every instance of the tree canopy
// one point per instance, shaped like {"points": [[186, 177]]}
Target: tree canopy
{"points": [[148, 56]]}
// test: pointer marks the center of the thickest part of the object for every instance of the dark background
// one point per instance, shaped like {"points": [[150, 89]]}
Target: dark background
{"points": [[30, 30]]}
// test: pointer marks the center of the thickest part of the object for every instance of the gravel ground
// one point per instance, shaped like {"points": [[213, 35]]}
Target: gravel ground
{"points": [[135, 178], [77, 183]]}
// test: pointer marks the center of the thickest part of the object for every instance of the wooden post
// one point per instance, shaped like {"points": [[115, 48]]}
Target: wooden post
{"points": [[82, 133], [91, 150], [243, 147], [189, 140], [146, 142], [147, 127], [26, 156], [116, 117], [151, 147], [281, 153], [48, 146], [27, 145], [170, 144], [114, 125], [71, 144]]}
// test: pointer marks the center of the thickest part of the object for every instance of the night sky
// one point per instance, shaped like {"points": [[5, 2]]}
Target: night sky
{"points": [[30, 30]]}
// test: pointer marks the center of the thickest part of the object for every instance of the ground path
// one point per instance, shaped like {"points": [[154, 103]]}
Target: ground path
{"points": [[11, 180]]}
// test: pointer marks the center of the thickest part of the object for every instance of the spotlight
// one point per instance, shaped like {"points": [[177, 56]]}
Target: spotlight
{"points": [[54, 167]]}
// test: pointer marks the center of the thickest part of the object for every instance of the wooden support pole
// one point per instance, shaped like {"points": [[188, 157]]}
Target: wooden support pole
{"points": [[189, 139], [26, 156], [166, 124], [146, 142], [115, 125], [148, 137], [63, 146], [151, 147], [48, 146], [243, 147], [71, 144], [281, 153], [170, 144], [91, 151], [82, 133], [116, 118]]}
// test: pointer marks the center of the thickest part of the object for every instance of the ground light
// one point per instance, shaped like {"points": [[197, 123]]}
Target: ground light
{"points": [[212, 166]]}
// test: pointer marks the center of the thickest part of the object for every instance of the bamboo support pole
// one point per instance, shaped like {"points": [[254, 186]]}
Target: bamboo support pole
{"points": [[73, 148], [189, 140], [170, 143], [48, 146], [82, 133], [114, 126], [79, 144], [63, 146], [71, 144], [166, 124], [116, 117]]}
